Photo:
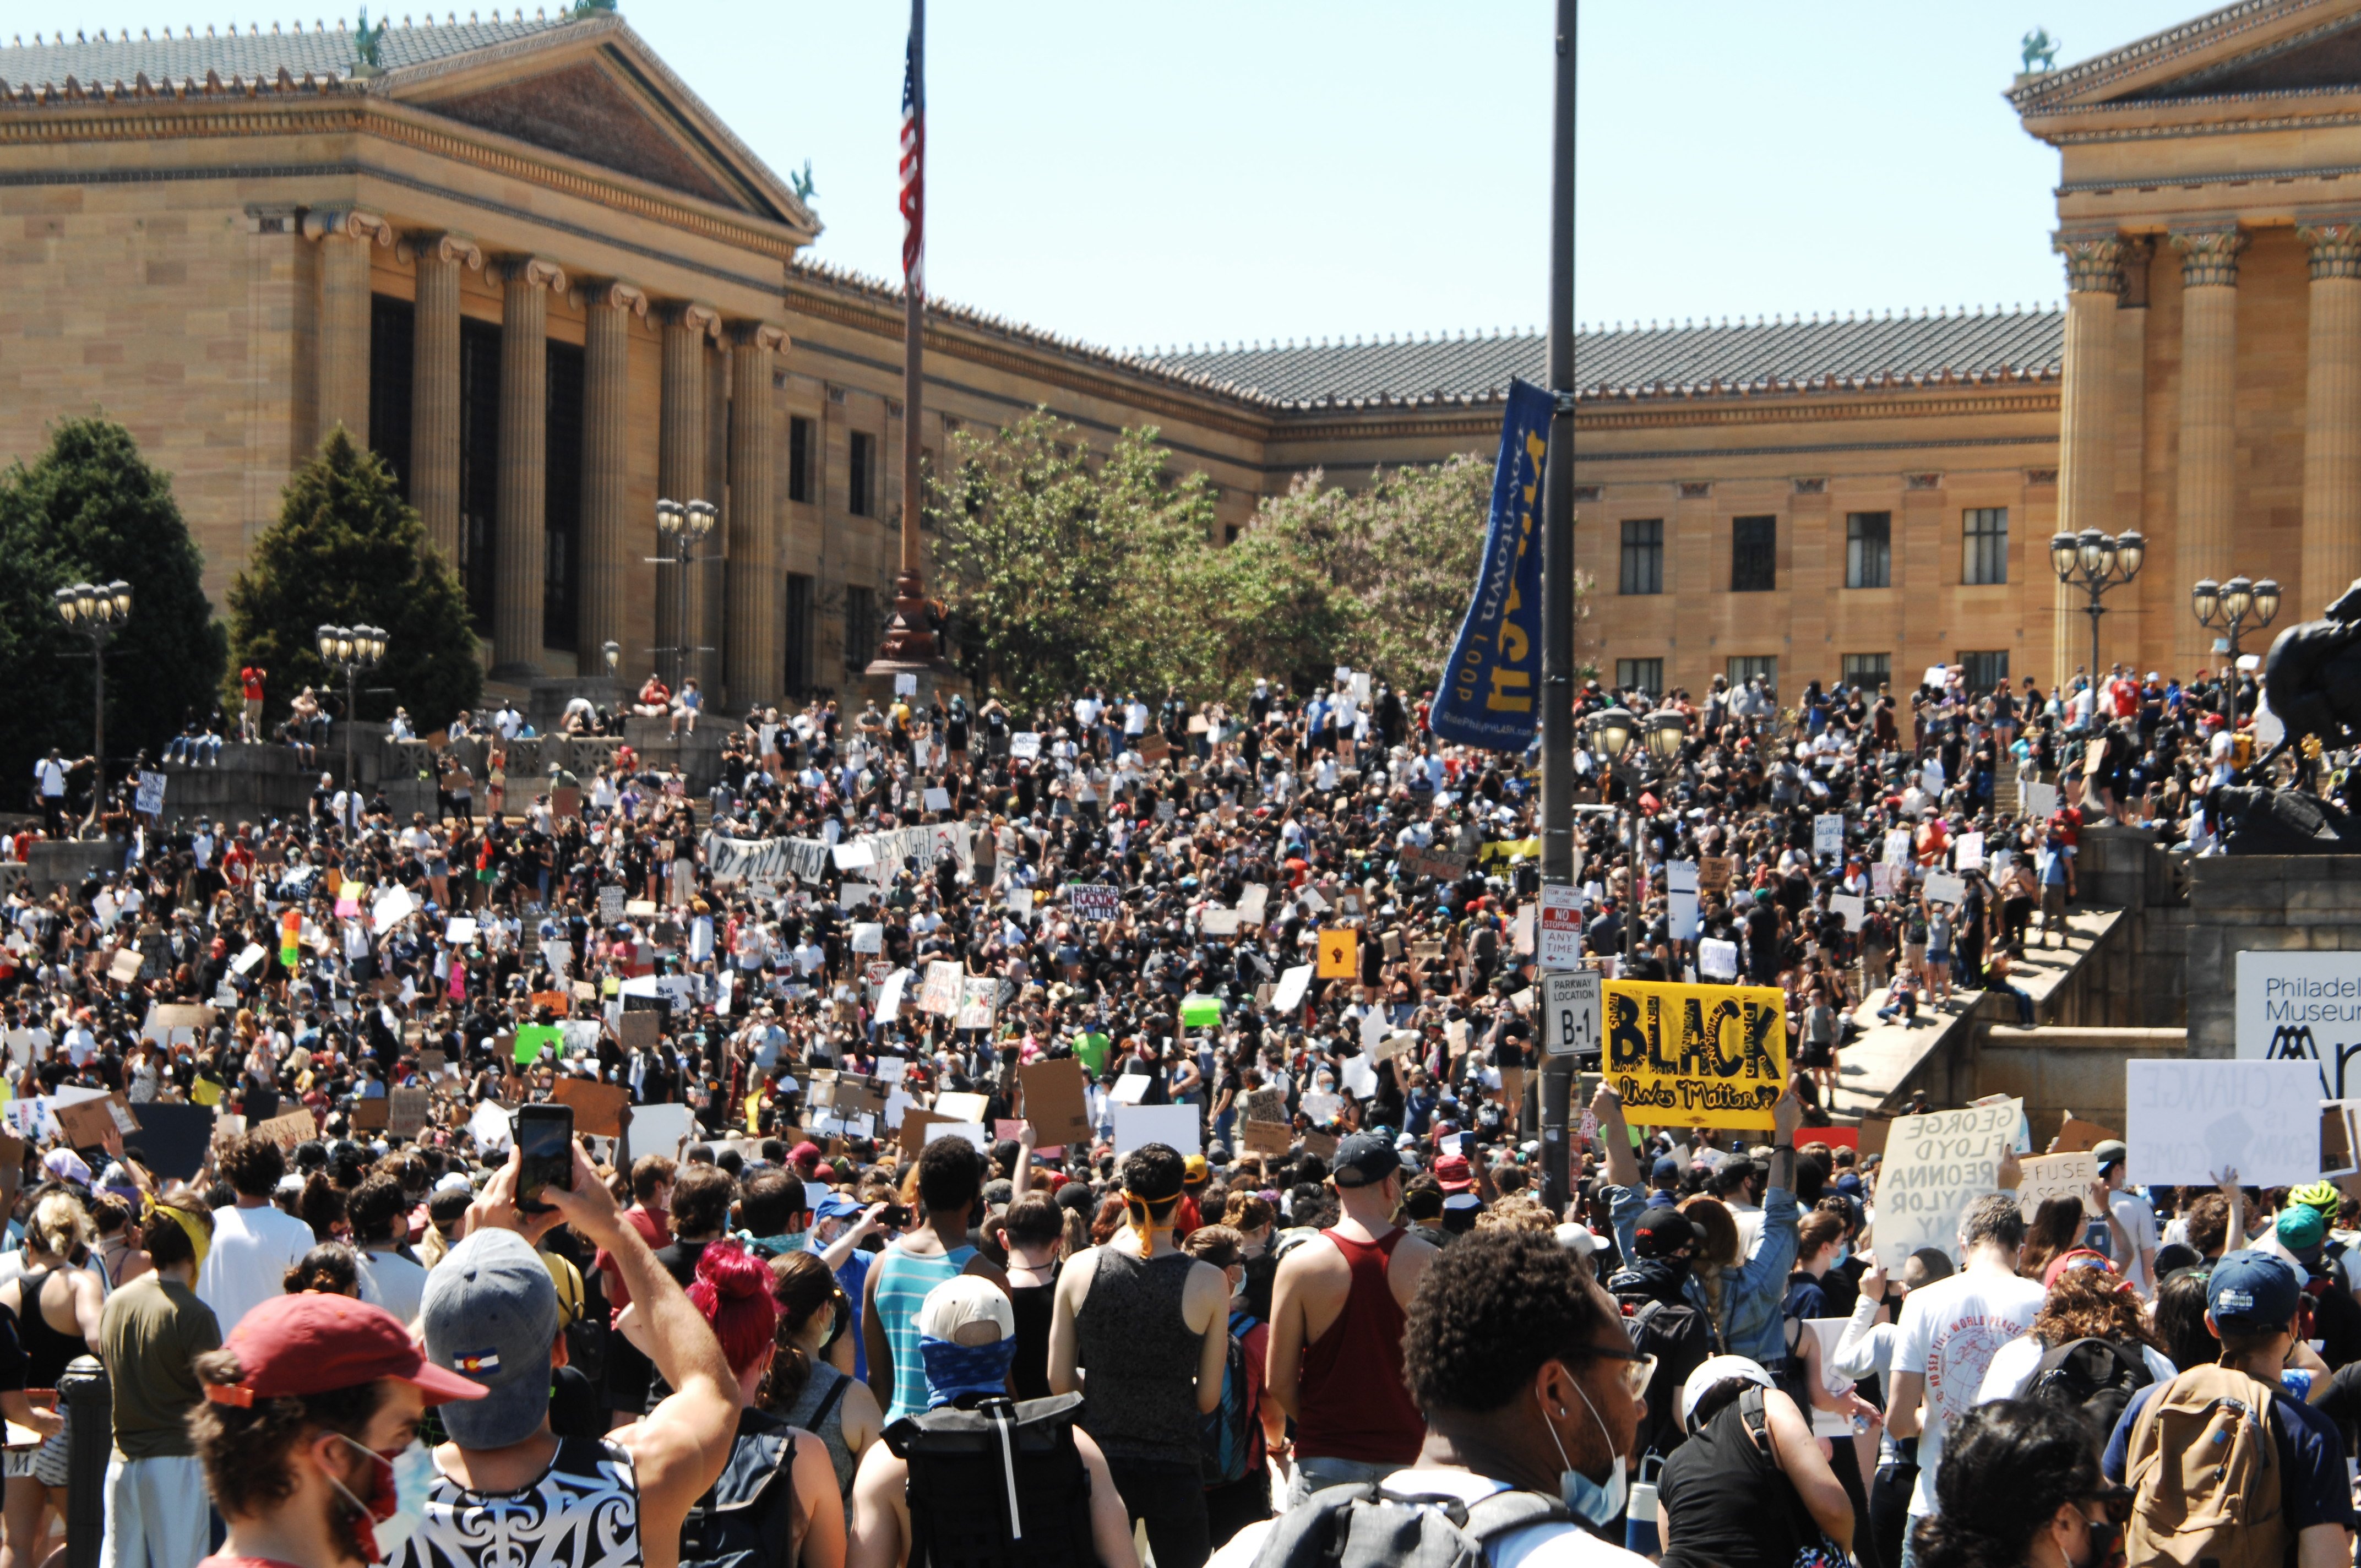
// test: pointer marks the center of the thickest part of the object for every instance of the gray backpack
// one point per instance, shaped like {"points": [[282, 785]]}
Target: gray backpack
{"points": [[1364, 1526]]}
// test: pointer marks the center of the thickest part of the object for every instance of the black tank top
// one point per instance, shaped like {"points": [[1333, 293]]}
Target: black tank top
{"points": [[47, 1350], [1033, 1306], [1726, 1502], [1139, 1358]]}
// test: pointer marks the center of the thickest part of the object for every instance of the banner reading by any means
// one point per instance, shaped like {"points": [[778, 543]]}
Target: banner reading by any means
{"points": [[1695, 1056]]}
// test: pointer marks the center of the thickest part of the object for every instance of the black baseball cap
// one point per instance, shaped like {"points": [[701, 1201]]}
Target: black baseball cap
{"points": [[1364, 1158], [1662, 1232]]}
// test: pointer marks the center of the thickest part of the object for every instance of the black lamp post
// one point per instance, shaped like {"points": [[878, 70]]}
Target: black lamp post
{"points": [[2230, 608], [2096, 562], [1611, 738], [97, 611], [684, 526], [352, 648]]}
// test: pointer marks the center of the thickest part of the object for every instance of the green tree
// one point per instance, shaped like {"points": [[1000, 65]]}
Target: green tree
{"points": [[90, 509], [347, 549], [1068, 569]]}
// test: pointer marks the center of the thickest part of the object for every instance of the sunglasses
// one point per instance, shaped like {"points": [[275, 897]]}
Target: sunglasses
{"points": [[1639, 1370], [2117, 1501]]}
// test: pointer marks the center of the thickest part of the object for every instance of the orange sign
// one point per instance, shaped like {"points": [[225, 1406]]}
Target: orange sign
{"points": [[1340, 955]]}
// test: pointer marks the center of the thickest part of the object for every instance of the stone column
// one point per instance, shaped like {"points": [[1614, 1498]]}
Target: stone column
{"points": [[680, 463], [435, 383], [2206, 491], [521, 550], [2086, 467], [2332, 418], [606, 469], [342, 342], [755, 668]]}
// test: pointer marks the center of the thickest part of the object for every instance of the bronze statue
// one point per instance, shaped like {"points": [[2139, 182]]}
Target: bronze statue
{"points": [[2313, 676]]}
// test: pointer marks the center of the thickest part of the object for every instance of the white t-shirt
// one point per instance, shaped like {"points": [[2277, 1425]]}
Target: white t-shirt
{"points": [[2013, 1363], [1950, 1333], [2138, 1221], [400, 1284], [252, 1251]]}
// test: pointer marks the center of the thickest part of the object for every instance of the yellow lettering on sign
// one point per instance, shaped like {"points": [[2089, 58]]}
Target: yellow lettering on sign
{"points": [[1505, 681]]}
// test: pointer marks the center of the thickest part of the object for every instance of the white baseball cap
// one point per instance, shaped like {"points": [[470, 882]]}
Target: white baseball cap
{"points": [[1717, 1369]]}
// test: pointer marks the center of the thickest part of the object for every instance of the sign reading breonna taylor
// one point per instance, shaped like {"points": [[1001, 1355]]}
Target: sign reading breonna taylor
{"points": [[2306, 1006]]}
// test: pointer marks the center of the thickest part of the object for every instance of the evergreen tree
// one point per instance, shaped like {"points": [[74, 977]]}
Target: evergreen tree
{"points": [[347, 550], [90, 510]]}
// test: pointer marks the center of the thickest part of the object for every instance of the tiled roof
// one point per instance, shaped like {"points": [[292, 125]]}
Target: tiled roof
{"points": [[1441, 369], [104, 58]]}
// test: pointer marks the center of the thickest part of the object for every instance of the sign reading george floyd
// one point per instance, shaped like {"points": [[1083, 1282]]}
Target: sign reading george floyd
{"points": [[1696, 1056], [1936, 1168]]}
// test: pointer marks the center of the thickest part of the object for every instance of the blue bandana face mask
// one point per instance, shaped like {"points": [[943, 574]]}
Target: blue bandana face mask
{"points": [[955, 1369]]}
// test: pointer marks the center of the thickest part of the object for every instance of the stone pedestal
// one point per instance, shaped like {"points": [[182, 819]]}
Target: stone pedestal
{"points": [[2262, 902], [934, 677]]}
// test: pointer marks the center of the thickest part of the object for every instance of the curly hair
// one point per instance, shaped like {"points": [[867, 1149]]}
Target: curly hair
{"points": [[1517, 1215], [254, 1165], [328, 1269], [2006, 1471], [2091, 1303], [244, 1449], [1493, 1306]]}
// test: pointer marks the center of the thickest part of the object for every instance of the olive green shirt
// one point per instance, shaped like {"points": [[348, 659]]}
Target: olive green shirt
{"points": [[151, 1335]]}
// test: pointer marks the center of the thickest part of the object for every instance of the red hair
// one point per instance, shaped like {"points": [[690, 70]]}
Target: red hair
{"points": [[732, 1288]]}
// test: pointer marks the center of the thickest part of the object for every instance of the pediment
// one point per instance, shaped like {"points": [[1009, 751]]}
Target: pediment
{"points": [[583, 112], [2253, 46]]}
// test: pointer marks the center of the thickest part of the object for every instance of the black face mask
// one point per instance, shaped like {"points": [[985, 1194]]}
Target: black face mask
{"points": [[2106, 1546]]}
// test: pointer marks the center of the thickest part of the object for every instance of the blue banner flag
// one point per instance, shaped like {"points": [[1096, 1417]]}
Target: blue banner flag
{"points": [[1490, 691]]}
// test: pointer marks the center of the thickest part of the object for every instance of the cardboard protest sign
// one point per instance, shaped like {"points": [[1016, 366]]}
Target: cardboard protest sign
{"points": [[172, 1139], [87, 1123], [407, 1111], [2078, 1136], [2051, 1176], [940, 993], [640, 1028], [2187, 1121], [598, 1107], [962, 1107], [370, 1115], [1054, 1100], [290, 1129], [124, 969], [915, 1122], [1936, 1167], [1136, 1127], [1706, 1056], [1715, 872], [1323, 1145], [1266, 1138]]}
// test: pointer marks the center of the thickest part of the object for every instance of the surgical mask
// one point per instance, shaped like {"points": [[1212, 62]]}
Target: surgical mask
{"points": [[1584, 1498], [397, 1501], [1844, 1252]]}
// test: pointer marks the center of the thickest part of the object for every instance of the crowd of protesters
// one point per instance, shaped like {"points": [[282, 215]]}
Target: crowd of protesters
{"points": [[784, 1333]]}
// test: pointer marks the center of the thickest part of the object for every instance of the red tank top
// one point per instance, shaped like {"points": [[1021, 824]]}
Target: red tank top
{"points": [[1352, 1402]]}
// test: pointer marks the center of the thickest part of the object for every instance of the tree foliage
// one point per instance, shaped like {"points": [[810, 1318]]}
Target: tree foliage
{"points": [[346, 549], [1066, 570], [91, 509]]}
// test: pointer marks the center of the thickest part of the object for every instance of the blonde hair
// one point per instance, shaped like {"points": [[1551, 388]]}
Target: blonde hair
{"points": [[1517, 1215], [60, 1225]]}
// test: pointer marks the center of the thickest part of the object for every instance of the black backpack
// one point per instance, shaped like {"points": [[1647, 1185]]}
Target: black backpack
{"points": [[2096, 1377], [1681, 1339], [998, 1485], [750, 1518]]}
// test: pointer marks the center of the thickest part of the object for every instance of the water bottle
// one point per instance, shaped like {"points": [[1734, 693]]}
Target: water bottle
{"points": [[1641, 1530]]}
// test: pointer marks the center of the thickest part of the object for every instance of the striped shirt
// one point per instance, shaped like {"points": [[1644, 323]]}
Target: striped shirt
{"points": [[902, 1280]]}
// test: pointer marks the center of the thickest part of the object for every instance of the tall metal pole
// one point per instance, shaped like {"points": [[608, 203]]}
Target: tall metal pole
{"points": [[98, 727], [910, 637], [350, 714], [1557, 583]]}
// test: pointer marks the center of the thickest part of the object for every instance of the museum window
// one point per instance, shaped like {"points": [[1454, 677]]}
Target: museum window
{"points": [[798, 639], [1745, 667], [800, 450], [1983, 546], [859, 470], [391, 325], [561, 516], [1985, 671], [480, 463], [1639, 674], [1868, 671], [860, 627], [1753, 555], [1643, 555], [1869, 549]]}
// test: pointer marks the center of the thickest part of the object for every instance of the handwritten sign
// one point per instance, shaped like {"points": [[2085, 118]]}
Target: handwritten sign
{"points": [[1936, 1167], [2187, 1121], [2052, 1176], [1703, 1056], [1095, 900]]}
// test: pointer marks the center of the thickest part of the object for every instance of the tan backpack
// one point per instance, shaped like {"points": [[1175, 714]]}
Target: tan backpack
{"points": [[2206, 1477]]}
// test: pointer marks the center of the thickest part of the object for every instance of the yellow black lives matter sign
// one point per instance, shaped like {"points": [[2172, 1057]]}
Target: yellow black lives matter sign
{"points": [[1695, 1056]]}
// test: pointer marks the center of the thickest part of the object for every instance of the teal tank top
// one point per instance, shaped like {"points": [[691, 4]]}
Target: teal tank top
{"points": [[903, 1281]]}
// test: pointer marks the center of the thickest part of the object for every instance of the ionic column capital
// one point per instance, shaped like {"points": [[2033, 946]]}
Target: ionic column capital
{"points": [[692, 315], [616, 295], [2209, 257], [441, 247], [2095, 263], [352, 222], [769, 337], [2334, 247], [534, 271]]}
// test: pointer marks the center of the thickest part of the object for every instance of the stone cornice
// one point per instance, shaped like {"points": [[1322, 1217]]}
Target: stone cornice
{"points": [[2036, 398], [348, 113], [2050, 90]]}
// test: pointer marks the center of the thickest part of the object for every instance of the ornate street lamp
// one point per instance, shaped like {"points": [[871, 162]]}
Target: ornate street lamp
{"points": [[97, 610], [683, 527], [353, 649], [2230, 609], [2096, 562]]}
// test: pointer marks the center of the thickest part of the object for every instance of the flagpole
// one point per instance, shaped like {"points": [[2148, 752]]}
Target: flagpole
{"points": [[1558, 1076], [910, 638]]}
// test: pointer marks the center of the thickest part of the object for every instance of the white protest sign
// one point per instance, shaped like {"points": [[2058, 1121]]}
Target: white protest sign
{"points": [[906, 684], [2299, 1006], [1717, 959], [891, 995], [393, 909], [661, 1129], [940, 995], [937, 798], [491, 1126], [460, 930], [1936, 1168], [979, 998], [1828, 835], [1850, 907], [1025, 744], [973, 1132], [855, 854], [1130, 1089], [1293, 983], [150, 798], [868, 936], [1970, 855], [2052, 1176], [1897, 848], [2038, 799], [2188, 1121], [1944, 888], [1360, 1078], [1136, 1127]]}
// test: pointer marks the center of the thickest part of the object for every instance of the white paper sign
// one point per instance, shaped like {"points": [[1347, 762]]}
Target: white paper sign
{"points": [[1944, 888], [1360, 1078], [1293, 983], [460, 931], [1717, 959], [2038, 799], [1936, 1167], [1025, 745], [868, 936], [1130, 1089], [1852, 906], [855, 854], [1138, 1126], [890, 996], [2052, 1176], [661, 1129], [1969, 854], [393, 909], [491, 1126], [973, 1132], [1828, 835], [937, 798], [906, 684], [2188, 1121]]}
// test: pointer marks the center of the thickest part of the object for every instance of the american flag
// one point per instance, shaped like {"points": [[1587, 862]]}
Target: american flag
{"points": [[914, 151]]}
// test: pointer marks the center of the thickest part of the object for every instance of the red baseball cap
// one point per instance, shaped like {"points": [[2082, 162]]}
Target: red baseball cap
{"points": [[805, 1153], [1450, 1173], [313, 1342]]}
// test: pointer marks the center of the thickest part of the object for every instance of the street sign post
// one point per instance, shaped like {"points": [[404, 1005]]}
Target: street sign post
{"points": [[1570, 1013]]}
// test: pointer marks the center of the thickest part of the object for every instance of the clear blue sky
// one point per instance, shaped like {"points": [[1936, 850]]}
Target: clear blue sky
{"points": [[1136, 174]]}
